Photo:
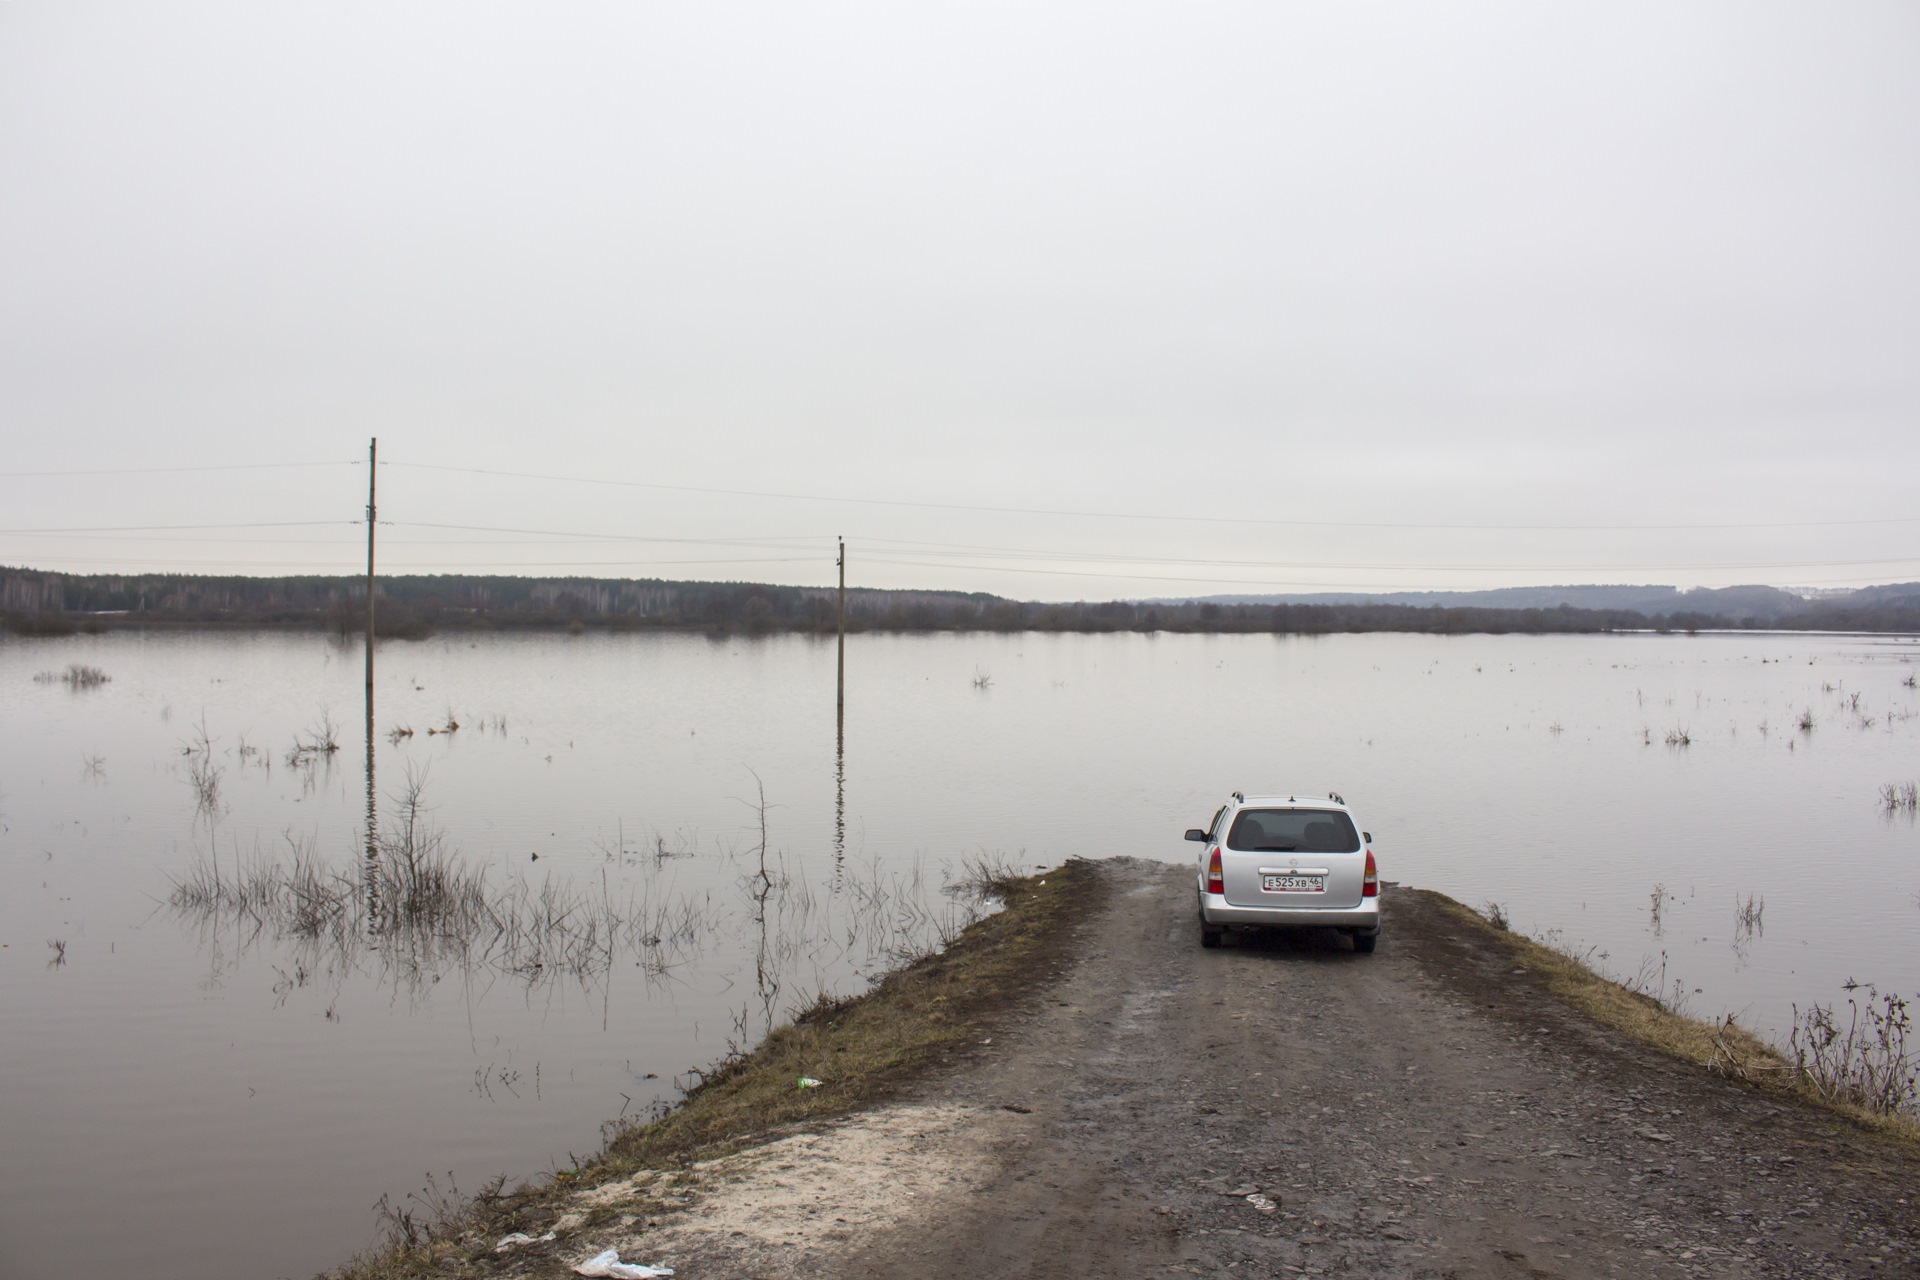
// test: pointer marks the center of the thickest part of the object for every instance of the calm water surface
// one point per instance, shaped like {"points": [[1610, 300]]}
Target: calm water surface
{"points": [[224, 1089]]}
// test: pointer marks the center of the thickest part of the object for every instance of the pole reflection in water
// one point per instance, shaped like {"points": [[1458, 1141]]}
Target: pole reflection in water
{"points": [[839, 794], [373, 810]]}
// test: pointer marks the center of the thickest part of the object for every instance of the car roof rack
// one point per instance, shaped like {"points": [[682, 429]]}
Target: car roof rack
{"points": [[1241, 797], [1335, 797]]}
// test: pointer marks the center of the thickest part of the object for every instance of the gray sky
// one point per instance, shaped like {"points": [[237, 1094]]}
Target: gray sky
{"points": [[1351, 266]]}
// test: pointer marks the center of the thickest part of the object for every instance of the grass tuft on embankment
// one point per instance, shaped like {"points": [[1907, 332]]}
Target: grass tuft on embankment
{"points": [[1722, 1048], [863, 1050]]}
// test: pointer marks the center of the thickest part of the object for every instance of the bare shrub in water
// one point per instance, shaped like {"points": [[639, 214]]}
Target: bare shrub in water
{"points": [[433, 1212], [202, 773], [1901, 797], [322, 738], [985, 875]]}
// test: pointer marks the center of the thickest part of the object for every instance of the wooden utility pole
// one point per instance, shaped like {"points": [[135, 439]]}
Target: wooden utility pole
{"points": [[373, 830], [373, 467], [840, 697]]}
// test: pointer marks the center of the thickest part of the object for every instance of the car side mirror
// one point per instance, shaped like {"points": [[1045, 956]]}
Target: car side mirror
{"points": [[1195, 833], [1367, 836]]}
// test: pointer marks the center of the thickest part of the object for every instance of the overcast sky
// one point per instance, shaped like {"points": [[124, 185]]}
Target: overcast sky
{"points": [[1365, 273]]}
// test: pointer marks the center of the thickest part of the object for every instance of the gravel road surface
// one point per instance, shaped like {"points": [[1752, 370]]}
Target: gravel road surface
{"points": [[1292, 1108]]}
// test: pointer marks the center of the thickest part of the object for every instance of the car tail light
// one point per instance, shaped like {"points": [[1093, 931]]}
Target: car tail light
{"points": [[1370, 883], [1216, 882]]}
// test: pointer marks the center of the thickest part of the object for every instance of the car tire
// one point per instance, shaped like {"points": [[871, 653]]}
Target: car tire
{"points": [[1364, 943], [1210, 934]]}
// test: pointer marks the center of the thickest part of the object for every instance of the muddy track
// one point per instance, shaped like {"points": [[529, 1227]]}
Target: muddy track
{"points": [[1427, 1111], [1423, 1111]]}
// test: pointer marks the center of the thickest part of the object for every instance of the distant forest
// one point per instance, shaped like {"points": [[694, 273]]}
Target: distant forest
{"points": [[39, 603]]}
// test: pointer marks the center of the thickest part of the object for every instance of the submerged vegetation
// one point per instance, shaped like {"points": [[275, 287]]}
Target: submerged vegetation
{"points": [[1901, 797], [76, 676], [321, 739], [412, 911]]}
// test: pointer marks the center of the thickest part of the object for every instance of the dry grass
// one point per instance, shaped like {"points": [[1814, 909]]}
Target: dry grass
{"points": [[1864, 1061], [863, 1050], [1722, 1048]]}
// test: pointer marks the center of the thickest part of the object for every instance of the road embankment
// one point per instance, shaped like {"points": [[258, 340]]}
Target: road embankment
{"points": [[1076, 1088]]}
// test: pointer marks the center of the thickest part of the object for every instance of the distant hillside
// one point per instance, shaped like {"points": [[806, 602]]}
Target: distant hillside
{"points": [[33, 602], [1740, 604]]}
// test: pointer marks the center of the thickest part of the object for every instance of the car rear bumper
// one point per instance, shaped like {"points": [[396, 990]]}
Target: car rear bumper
{"points": [[1214, 909]]}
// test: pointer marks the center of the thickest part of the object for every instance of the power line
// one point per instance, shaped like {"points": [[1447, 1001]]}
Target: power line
{"points": [[145, 528], [494, 568], [252, 542], [1608, 566], [1135, 515], [1245, 582], [903, 548], [154, 471], [280, 568], [548, 564], [762, 540]]}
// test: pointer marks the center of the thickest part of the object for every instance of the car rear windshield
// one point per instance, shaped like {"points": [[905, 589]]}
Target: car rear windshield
{"points": [[1293, 831]]}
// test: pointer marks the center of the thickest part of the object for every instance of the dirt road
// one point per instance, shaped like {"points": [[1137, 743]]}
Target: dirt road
{"points": [[1289, 1108]]}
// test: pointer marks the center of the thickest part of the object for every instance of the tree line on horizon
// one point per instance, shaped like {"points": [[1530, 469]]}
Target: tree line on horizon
{"points": [[416, 605]]}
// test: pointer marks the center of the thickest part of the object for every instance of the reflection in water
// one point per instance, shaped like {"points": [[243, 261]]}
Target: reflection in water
{"points": [[1749, 922], [1658, 901], [839, 794], [371, 870]]}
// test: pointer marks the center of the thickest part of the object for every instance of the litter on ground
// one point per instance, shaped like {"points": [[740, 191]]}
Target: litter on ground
{"points": [[519, 1238], [607, 1263]]}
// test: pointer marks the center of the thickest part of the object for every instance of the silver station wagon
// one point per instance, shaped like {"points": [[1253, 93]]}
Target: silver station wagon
{"points": [[1287, 861]]}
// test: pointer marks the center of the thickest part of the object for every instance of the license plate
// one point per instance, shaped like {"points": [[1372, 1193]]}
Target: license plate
{"points": [[1294, 884]]}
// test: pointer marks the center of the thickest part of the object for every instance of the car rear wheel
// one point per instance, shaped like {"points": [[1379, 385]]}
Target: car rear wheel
{"points": [[1364, 943], [1210, 934]]}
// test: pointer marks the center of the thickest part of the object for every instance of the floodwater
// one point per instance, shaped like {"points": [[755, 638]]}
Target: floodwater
{"points": [[226, 1038]]}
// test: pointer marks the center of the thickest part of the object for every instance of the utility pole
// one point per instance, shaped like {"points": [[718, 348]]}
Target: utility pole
{"points": [[840, 698], [373, 467], [373, 831]]}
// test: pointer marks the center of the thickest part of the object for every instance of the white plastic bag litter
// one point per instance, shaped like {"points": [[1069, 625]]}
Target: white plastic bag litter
{"points": [[519, 1238], [608, 1264]]}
